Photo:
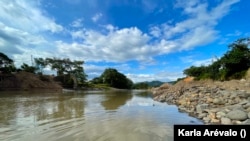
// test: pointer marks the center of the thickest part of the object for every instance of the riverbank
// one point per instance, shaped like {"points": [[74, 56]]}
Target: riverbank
{"points": [[25, 81], [213, 102]]}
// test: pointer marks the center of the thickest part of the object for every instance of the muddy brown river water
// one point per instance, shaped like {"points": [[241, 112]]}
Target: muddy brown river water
{"points": [[87, 116]]}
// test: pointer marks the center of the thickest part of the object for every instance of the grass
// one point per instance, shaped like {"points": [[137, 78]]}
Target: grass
{"points": [[100, 86]]}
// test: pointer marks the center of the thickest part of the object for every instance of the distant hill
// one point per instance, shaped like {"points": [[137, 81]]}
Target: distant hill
{"points": [[152, 83], [148, 84], [155, 83]]}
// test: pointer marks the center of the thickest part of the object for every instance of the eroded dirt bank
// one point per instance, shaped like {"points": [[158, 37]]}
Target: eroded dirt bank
{"points": [[28, 81]]}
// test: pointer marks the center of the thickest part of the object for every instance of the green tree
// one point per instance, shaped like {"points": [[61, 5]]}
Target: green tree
{"points": [[141, 85], [96, 80], [198, 72], [40, 64], [27, 68], [232, 65], [56, 64], [5, 60], [115, 79], [72, 70], [237, 60], [6, 64]]}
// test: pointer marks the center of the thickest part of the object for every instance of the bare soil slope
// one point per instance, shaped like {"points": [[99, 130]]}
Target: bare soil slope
{"points": [[27, 81]]}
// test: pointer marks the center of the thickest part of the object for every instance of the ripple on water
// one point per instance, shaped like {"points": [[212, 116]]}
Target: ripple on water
{"points": [[89, 117]]}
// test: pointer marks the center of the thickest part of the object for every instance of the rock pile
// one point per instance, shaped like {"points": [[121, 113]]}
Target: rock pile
{"points": [[213, 102]]}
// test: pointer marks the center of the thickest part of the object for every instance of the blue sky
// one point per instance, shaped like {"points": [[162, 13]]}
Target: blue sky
{"points": [[144, 39]]}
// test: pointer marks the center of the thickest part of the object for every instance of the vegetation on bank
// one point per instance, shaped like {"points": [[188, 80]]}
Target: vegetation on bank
{"points": [[71, 74], [113, 78], [147, 85], [232, 65]]}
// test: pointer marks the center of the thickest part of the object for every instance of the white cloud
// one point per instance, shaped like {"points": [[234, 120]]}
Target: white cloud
{"points": [[120, 45], [26, 16], [205, 62], [93, 70], [198, 29], [23, 30], [78, 34], [155, 31], [15, 41], [77, 23], [96, 17], [236, 33], [115, 46], [197, 63], [163, 76]]}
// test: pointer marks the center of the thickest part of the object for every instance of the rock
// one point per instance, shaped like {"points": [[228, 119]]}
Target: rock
{"points": [[225, 120], [201, 107], [243, 94], [218, 101], [226, 102], [182, 108], [237, 115], [230, 102], [248, 109], [236, 107], [247, 84], [220, 114], [170, 98], [225, 93], [246, 122], [237, 99], [244, 102], [246, 106], [243, 80], [202, 115], [215, 121], [211, 115], [227, 110], [237, 122], [233, 95], [161, 98], [209, 100], [206, 119]]}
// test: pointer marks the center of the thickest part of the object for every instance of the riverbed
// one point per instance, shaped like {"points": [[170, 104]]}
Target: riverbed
{"points": [[87, 116]]}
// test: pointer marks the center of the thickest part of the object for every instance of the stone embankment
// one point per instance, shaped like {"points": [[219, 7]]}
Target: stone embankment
{"points": [[213, 102]]}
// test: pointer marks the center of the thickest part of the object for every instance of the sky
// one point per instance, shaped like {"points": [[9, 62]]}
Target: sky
{"points": [[146, 40]]}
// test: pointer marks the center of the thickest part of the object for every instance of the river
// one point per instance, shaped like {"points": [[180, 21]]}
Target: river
{"points": [[87, 116]]}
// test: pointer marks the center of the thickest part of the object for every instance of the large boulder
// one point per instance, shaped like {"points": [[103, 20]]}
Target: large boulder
{"points": [[237, 115]]}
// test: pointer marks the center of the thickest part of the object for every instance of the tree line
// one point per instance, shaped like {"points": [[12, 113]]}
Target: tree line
{"points": [[232, 65], [70, 73]]}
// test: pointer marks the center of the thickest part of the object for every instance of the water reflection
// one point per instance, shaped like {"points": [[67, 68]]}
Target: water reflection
{"points": [[40, 107], [114, 100], [143, 93], [8, 110], [86, 116]]}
